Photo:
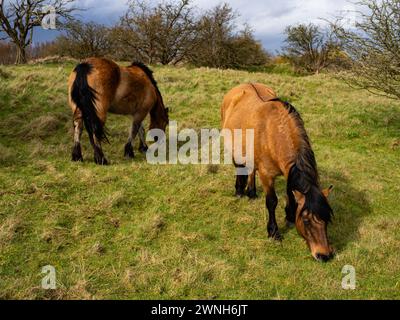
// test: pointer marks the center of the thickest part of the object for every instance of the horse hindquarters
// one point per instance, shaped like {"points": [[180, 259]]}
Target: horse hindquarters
{"points": [[84, 97]]}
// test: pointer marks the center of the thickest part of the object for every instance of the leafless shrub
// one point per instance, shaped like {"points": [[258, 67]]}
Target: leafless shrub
{"points": [[81, 40], [373, 45], [220, 46], [163, 33], [310, 48], [19, 18]]}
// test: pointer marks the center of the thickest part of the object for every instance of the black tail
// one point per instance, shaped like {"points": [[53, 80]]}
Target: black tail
{"points": [[85, 98]]}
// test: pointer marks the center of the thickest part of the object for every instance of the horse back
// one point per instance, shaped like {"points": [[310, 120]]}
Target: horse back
{"points": [[135, 93], [105, 77], [276, 137]]}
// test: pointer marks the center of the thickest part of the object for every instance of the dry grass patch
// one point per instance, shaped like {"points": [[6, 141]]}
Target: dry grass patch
{"points": [[9, 229], [42, 127]]}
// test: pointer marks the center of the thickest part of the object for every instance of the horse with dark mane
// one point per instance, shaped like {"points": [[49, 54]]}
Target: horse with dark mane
{"points": [[98, 86], [281, 147]]}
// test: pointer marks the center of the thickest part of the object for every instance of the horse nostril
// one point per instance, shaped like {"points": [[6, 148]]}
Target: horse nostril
{"points": [[323, 257]]}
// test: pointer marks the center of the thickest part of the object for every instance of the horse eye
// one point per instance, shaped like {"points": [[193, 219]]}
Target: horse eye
{"points": [[306, 222]]}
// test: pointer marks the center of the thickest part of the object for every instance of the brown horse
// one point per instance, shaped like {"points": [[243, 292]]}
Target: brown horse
{"points": [[98, 86], [281, 147]]}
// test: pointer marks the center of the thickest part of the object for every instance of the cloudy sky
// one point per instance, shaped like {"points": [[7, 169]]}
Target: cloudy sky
{"points": [[268, 18]]}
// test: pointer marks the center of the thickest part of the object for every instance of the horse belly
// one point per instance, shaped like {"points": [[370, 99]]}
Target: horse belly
{"points": [[122, 108]]}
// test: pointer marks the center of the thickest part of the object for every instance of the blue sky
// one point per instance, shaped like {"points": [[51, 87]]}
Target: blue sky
{"points": [[268, 18]]}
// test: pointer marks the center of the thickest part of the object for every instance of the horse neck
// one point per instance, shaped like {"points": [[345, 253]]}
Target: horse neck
{"points": [[158, 113], [303, 174], [304, 166]]}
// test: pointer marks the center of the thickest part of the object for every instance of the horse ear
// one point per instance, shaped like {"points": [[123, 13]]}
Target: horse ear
{"points": [[327, 192], [300, 198]]}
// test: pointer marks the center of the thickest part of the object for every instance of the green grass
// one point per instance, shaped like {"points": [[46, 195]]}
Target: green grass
{"points": [[138, 231]]}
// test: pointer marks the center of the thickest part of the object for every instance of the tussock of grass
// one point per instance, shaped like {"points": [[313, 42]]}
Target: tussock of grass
{"points": [[4, 74], [9, 229], [42, 126], [212, 168], [152, 229], [134, 230], [6, 155], [54, 60]]}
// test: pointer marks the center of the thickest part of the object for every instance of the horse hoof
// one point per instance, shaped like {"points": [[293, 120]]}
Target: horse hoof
{"points": [[77, 158], [77, 154], [275, 236], [252, 195], [101, 161], [143, 150], [129, 153], [290, 224]]}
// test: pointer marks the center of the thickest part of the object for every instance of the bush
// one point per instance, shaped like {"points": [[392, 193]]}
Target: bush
{"points": [[310, 49], [219, 46]]}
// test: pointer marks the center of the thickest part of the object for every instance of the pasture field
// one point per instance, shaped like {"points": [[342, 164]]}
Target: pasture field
{"points": [[138, 231]]}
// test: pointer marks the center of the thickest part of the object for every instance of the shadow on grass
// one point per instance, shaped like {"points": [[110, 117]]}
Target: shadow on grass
{"points": [[350, 206]]}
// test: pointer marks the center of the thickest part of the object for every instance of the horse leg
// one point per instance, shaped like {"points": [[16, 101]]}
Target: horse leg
{"points": [[142, 135], [291, 207], [78, 129], [99, 157], [271, 204], [129, 153], [251, 186], [241, 184]]}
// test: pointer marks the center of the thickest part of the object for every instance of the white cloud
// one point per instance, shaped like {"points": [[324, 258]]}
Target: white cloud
{"points": [[103, 11], [268, 18]]}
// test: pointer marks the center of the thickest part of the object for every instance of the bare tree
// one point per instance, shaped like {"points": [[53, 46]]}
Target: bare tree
{"points": [[19, 18], [222, 46], [81, 40], [123, 41], [373, 45], [216, 29], [309, 47], [163, 33]]}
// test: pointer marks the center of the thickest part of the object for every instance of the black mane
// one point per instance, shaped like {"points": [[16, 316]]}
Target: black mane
{"points": [[288, 106], [303, 175], [148, 72]]}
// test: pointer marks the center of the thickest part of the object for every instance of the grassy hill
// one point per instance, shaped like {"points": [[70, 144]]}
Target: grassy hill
{"points": [[137, 231]]}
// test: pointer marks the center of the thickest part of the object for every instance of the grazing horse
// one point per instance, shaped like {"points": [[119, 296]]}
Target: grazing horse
{"points": [[98, 86], [281, 147]]}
